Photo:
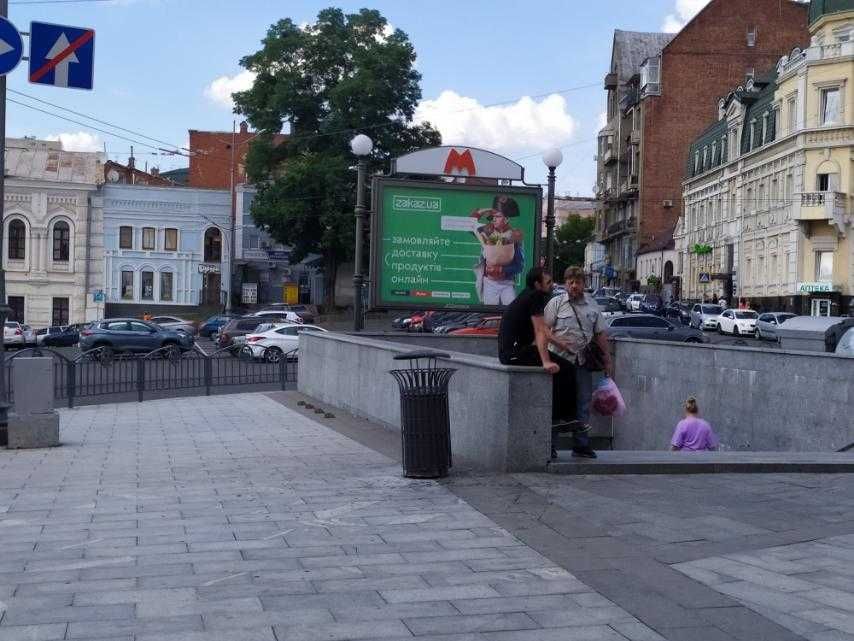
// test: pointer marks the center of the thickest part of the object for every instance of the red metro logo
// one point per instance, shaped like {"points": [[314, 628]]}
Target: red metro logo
{"points": [[457, 163]]}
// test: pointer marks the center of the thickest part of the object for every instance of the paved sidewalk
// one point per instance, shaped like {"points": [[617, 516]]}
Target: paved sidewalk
{"points": [[236, 518]]}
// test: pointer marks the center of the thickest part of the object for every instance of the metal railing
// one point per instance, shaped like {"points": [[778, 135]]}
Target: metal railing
{"points": [[100, 375]]}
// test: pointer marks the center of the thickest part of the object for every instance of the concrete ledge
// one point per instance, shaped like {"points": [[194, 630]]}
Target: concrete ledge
{"points": [[656, 462]]}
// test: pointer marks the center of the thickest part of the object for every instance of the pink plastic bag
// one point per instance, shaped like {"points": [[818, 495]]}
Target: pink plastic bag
{"points": [[607, 400]]}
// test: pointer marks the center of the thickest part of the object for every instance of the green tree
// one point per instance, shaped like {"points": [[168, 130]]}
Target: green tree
{"points": [[342, 75], [570, 240]]}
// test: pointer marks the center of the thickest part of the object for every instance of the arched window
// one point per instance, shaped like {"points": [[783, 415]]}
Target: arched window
{"points": [[668, 271], [213, 245], [17, 240], [61, 241]]}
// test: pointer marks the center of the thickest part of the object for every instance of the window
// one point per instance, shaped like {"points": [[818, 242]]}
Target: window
{"points": [[749, 73], [148, 238], [17, 240], [715, 159], [127, 285], [748, 276], [170, 239], [16, 311], [822, 182], [147, 286], [125, 237], [792, 109], [824, 267], [61, 239], [696, 162], [651, 76], [142, 328], [705, 158], [166, 286], [751, 37], [116, 326], [213, 245], [287, 331], [830, 106], [60, 311]]}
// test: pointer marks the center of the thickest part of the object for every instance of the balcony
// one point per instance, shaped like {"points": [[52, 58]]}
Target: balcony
{"points": [[629, 186], [610, 155], [825, 205], [610, 81]]}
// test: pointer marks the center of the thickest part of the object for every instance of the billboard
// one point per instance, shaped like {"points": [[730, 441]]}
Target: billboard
{"points": [[451, 246]]}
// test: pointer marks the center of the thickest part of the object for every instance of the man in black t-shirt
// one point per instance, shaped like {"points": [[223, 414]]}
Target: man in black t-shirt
{"points": [[523, 338]]}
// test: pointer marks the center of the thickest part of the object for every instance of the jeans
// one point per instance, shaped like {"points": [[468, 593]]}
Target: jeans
{"points": [[572, 394]]}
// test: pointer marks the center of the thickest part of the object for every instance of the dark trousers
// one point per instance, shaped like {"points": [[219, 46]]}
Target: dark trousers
{"points": [[564, 389]]}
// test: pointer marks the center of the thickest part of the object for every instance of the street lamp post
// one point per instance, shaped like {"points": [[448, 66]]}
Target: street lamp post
{"points": [[361, 146], [4, 308], [552, 159]]}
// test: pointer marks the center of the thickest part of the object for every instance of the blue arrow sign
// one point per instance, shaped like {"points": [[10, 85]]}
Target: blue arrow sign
{"points": [[11, 46], [61, 56]]}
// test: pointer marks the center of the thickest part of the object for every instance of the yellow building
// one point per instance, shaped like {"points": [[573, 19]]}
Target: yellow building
{"points": [[815, 92]]}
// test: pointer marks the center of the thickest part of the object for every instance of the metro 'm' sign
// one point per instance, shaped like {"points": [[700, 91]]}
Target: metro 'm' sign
{"points": [[458, 161]]}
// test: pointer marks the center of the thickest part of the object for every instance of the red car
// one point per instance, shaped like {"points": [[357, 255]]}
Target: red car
{"points": [[487, 327]]}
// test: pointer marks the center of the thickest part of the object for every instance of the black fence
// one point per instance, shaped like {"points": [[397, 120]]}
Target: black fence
{"points": [[101, 376]]}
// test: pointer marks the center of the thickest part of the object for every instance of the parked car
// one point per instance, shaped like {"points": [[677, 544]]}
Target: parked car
{"points": [[654, 328], [246, 325], [813, 333], [633, 302], [486, 327], [68, 336], [610, 306], [436, 319], [463, 321], [29, 335], [171, 322], [212, 325], [705, 316], [13, 334], [738, 322], [606, 292], [679, 312], [275, 342], [132, 335], [622, 297], [845, 346], [44, 332], [767, 324], [281, 315], [652, 304], [308, 313]]}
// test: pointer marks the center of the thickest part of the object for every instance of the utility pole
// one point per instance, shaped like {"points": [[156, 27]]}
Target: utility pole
{"points": [[231, 221], [4, 308]]}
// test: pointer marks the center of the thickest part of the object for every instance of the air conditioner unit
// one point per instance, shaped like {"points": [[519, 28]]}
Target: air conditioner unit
{"points": [[667, 203]]}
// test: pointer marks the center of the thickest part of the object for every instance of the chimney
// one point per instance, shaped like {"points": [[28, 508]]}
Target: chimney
{"points": [[244, 128], [131, 160]]}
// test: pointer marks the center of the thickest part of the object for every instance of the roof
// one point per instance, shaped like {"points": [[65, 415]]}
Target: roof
{"points": [[631, 48], [820, 8], [47, 161], [178, 176]]}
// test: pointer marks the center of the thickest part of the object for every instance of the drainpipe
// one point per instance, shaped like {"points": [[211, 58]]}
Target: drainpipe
{"points": [[86, 255]]}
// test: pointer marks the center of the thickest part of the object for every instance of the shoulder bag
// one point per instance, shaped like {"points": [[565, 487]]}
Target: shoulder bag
{"points": [[592, 357]]}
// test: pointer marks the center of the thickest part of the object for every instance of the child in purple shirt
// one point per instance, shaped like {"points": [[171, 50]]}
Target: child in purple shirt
{"points": [[693, 433]]}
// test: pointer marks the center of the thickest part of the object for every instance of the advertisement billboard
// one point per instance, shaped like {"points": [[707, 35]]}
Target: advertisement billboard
{"points": [[452, 246]]}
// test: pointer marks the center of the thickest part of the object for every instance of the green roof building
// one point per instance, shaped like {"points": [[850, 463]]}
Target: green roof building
{"points": [[820, 8]]}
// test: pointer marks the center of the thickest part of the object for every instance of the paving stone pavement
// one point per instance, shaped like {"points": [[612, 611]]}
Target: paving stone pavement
{"points": [[236, 518]]}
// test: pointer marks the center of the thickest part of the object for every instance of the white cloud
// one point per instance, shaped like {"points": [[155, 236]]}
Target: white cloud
{"points": [[219, 91], [78, 141], [387, 31], [685, 10], [522, 126]]}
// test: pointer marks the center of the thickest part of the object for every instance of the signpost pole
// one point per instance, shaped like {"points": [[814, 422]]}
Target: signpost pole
{"points": [[358, 277], [4, 308], [550, 223]]}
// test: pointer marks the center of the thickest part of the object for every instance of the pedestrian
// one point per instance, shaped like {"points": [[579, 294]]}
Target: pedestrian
{"points": [[146, 316], [692, 433], [523, 337], [579, 346]]}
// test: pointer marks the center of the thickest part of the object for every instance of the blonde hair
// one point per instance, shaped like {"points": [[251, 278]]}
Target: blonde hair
{"points": [[573, 273], [691, 405]]}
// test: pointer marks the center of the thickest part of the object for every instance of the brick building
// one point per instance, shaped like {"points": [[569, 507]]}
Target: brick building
{"points": [[675, 95], [118, 174]]}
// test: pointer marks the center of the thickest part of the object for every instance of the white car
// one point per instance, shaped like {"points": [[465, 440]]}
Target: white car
{"points": [[274, 343], [738, 322], [13, 334], [279, 315], [845, 346], [633, 302]]}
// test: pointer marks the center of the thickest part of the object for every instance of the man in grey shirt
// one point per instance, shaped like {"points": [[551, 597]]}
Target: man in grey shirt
{"points": [[575, 320]]}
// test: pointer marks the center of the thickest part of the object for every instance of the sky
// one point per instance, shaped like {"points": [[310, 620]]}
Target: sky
{"points": [[514, 77]]}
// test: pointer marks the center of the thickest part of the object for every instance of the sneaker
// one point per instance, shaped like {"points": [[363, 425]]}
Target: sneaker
{"points": [[584, 452]]}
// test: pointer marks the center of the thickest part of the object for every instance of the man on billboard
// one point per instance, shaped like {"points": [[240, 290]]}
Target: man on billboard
{"points": [[502, 256]]}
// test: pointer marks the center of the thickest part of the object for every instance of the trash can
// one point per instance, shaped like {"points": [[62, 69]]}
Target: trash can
{"points": [[424, 421]]}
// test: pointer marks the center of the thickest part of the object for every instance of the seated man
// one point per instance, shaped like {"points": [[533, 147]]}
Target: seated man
{"points": [[523, 338]]}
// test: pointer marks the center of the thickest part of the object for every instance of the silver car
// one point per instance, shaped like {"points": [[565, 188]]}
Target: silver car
{"points": [[845, 346], [171, 322], [705, 316], [767, 324]]}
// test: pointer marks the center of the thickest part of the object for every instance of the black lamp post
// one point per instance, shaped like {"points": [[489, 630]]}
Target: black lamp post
{"points": [[361, 146], [552, 159]]}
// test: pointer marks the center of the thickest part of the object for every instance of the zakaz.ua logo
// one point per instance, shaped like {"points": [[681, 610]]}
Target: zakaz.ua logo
{"points": [[417, 203]]}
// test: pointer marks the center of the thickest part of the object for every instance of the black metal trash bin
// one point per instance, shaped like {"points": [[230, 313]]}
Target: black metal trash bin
{"points": [[424, 420]]}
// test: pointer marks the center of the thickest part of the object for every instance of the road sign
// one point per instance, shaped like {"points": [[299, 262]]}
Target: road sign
{"points": [[705, 277], [61, 56], [11, 46]]}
